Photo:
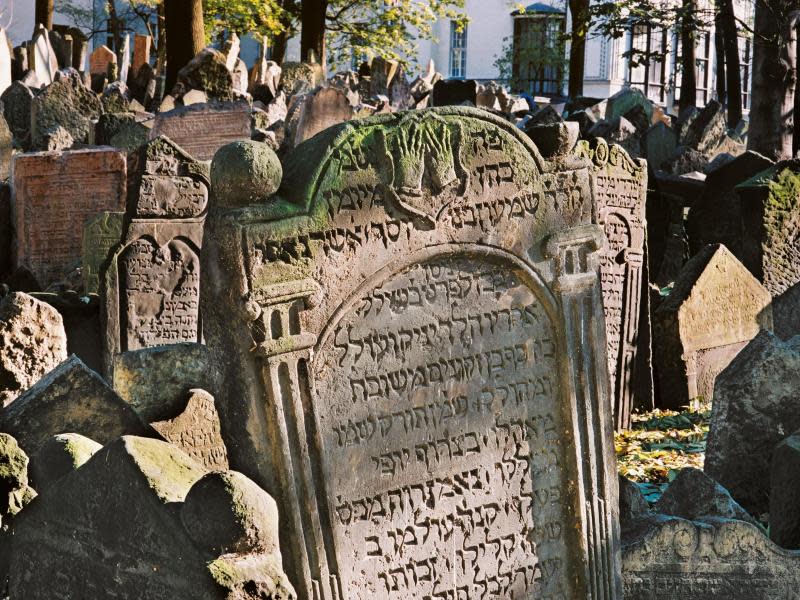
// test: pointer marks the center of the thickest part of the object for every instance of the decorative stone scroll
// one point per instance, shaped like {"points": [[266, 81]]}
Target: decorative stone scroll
{"points": [[414, 359], [620, 193], [152, 283]]}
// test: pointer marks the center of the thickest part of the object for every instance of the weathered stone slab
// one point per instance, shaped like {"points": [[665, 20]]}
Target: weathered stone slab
{"points": [[322, 109], [140, 519], [5, 61], [32, 342], [59, 456], [784, 497], [207, 72], [141, 52], [100, 59], [403, 330], [669, 558], [715, 308], [66, 103], [203, 129], [6, 148], [41, 57], [6, 231], [660, 142], [15, 492], [454, 92], [152, 284], [53, 195], [81, 315], [620, 195], [70, 399], [100, 235], [755, 406], [196, 431], [17, 101]]}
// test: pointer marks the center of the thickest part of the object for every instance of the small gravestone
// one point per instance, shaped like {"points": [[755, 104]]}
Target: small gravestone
{"points": [[202, 130], [62, 46], [715, 308], [382, 74], [755, 407], [42, 58], [53, 195], [707, 130], [300, 76], [5, 61], [153, 278], [626, 100], [6, 149], [141, 52], [454, 92], [17, 101], [207, 72], [659, 144], [59, 456], [322, 109], [100, 59], [125, 58], [66, 103], [407, 326], [784, 497], [620, 187], [100, 235]]}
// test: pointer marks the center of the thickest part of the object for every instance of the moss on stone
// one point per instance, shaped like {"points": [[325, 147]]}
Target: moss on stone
{"points": [[169, 471]]}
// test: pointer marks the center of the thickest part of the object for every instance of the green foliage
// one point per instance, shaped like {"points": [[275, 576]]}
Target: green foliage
{"points": [[263, 17]]}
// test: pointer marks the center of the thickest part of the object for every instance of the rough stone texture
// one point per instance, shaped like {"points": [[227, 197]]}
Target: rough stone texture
{"points": [[556, 139], [49, 216], [32, 342], [707, 130], [667, 558], [245, 172], [6, 231], [684, 160], [59, 456], [152, 280], [116, 98], [56, 139], [715, 308], [755, 408], [626, 100], [785, 312], [196, 431], [100, 59], [322, 109], [68, 103], [784, 497], [618, 131], [659, 144], [5, 61], [17, 101], [693, 495], [6, 147], [452, 92], [203, 129], [100, 235], [112, 527], [632, 504], [156, 381], [620, 188], [299, 76], [390, 351], [15, 492], [69, 399], [207, 72]]}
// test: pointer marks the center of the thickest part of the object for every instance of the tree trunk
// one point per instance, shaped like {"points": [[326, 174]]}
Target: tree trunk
{"points": [[312, 29], [579, 9], [719, 49], [44, 13], [161, 48], [113, 25], [279, 44], [733, 72], [774, 79], [688, 77], [185, 34]]}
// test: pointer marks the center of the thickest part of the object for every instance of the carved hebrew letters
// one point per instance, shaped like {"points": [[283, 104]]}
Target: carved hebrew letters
{"points": [[443, 439]]}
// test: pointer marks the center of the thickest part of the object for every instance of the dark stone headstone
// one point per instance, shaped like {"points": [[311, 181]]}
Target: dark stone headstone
{"points": [[453, 92]]}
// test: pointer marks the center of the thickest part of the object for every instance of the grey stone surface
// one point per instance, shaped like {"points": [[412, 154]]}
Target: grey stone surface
{"points": [[17, 101], [755, 407], [32, 342], [59, 456], [207, 72], [784, 495], [245, 172]]}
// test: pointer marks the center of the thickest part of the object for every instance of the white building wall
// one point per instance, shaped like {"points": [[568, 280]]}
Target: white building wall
{"points": [[17, 18]]}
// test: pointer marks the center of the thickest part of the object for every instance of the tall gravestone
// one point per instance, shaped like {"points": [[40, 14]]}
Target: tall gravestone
{"points": [[414, 357], [100, 235], [152, 281], [5, 61], [620, 193], [54, 193]]}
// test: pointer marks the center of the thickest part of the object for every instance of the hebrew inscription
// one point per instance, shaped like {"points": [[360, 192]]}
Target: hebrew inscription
{"points": [[442, 439]]}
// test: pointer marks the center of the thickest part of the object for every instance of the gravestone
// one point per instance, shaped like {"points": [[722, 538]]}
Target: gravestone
{"points": [[784, 508], [152, 281], [201, 130], [53, 195], [100, 59], [454, 92], [42, 57], [125, 61], [408, 332], [17, 101], [620, 193], [141, 52], [6, 149], [6, 231], [62, 46], [715, 308], [100, 235], [321, 109], [5, 61]]}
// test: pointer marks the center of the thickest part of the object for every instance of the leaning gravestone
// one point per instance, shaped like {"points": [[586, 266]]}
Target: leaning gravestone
{"points": [[54, 193], [412, 337], [203, 129], [620, 192], [42, 57], [152, 281], [100, 235]]}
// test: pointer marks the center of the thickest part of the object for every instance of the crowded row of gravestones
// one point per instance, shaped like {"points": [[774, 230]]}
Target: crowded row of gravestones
{"points": [[390, 364]]}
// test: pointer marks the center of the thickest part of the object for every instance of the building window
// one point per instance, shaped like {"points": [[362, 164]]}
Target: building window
{"points": [[745, 65], [538, 54], [702, 67], [458, 51], [647, 68]]}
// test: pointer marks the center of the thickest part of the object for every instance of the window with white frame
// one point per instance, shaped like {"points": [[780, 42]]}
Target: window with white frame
{"points": [[745, 66], [538, 66], [647, 66], [702, 66], [458, 51]]}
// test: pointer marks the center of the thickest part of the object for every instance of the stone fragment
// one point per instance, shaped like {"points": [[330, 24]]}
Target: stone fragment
{"points": [[32, 342], [100, 59], [684, 160], [100, 235], [632, 504], [5, 61], [714, 309], [693, 495], [322, 109], [116, 98], [17, 101], [196, 431], [59, 456], [546, 115], [244, 173], [6, 149], [56, 139], [684, 122], [706, 130], [141, 52], [554, 140], [628, 99], [194, 97], [68, 103], [203, 129], [382, 74], [786, 312], [300, 76], [207, 72], [453, 92], [14, 489], [784, 496], [42, 57], [618, 131], [298, 295], [50, 218], [754, 409], [659, 145], [69, 399]]}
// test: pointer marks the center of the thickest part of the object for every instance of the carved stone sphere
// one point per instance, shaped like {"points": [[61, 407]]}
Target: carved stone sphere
{"points": [[225, 512], [243, 173]]}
